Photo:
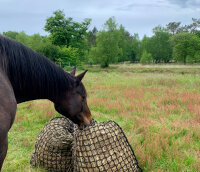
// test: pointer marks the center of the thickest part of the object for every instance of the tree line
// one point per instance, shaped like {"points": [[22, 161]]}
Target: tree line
{"points": [[71, 43]]}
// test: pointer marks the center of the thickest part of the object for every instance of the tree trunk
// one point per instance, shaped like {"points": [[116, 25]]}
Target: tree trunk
{"points": [[184, 60]]}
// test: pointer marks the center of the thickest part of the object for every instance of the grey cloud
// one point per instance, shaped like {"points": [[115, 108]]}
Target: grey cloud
{"points": [[186, 3], [140, 5], [135, 15]]}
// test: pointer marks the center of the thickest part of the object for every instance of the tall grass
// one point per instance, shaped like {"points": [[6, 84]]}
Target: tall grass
{"points": [[159, 112]]}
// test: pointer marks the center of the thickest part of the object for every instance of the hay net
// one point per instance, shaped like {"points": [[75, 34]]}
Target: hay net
{"points": [[61, 146], [53, 147], [103, 147]]}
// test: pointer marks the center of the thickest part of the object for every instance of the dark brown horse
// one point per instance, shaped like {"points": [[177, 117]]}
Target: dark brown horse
{"points": [[26, 75]]}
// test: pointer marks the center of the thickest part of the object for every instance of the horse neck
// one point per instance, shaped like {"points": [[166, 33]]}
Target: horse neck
{"points": [[38, 79], [42, 87], [32, 75]]}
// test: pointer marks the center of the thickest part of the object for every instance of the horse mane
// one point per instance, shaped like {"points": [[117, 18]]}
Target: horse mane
{"points": [[31, 73]]}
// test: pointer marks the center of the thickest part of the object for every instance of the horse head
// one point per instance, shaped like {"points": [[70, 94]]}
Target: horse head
{"points": [[73, 104]]}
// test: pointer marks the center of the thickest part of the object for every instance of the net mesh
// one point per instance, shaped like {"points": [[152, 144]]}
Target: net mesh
{"points": [[103, 147], [53, 147], [61, 146]]}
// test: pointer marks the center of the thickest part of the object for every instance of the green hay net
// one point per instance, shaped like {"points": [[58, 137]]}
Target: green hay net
{"points": [[61, 146]]}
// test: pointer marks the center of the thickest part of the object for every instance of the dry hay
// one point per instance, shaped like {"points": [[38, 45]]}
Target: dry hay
{"points": [[53, 147], [61, 146], [103, 147]]}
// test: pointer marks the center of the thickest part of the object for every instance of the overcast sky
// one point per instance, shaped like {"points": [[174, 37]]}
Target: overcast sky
{"points": [[137, 16]]}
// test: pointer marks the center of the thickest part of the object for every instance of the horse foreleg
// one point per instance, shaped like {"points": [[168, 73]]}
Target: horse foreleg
{"points": [[6, 121], [7, 116], [8, 107], [3, 149]]}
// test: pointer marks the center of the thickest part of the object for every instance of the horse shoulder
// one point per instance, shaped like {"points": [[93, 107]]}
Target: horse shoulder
{"points": [[8, 102]]}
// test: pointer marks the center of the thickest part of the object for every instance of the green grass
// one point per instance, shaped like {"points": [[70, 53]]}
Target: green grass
{"points": [[158, 108]]}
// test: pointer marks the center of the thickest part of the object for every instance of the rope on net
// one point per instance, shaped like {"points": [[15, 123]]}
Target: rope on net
{"points": [[61, 146]]}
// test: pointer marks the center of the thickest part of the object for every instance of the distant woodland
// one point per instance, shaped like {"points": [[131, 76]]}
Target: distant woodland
{"points": [[72, 43]]}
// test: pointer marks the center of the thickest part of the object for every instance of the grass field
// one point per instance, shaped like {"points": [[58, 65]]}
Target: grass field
{"points": [[157, 107]]}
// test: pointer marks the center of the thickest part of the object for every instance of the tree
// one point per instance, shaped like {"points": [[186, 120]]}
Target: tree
{"points": [[11, 34], [173, 27], [107, 48], [108, 44], [197, 56], [158, 45], [23, 38], [66, 32], [91, 37], [36, 42], [136, 45], [110, 24], [185, 47], [124, 44], [161, 49], [50, 51], [180, 43], [146, 44], [192, 28]]}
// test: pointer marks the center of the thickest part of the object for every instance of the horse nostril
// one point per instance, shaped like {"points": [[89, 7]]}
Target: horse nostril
{"points": [[87, 119]]}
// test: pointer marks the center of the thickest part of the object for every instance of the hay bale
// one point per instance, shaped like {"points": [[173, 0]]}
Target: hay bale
{"points": [[103, 147], [53, 147]]}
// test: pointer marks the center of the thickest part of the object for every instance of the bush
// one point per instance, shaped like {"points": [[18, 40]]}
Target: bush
{"points": [[49, 50], [190, 59], [146, 58], [93, 56], [197, 57], [69, 56]]}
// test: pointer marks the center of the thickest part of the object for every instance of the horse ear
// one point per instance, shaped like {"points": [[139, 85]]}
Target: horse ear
{"points": [[73, 71], [80, 76]]}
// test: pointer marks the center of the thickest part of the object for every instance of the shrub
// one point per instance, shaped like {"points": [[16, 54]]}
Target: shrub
{"points": [[197, 57], [146, 58], [190, 59], [69, 56]]}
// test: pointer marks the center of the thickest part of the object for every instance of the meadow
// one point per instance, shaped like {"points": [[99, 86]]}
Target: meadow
{"points": [[158, 108]]}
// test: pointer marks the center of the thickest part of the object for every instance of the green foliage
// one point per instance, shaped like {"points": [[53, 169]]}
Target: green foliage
{"points": [[173, 27], [197, 57], [68, 56], [158, 45], [23, 38], [125, 41], [36, 42], [146, 58], [59, 28], [174, 43], [50, 51], [91, 37], [186, 46], [107, 48], [136, 52], [190, 59], [110, 24], [146, 44], [11, 34], [66, 32], [161, 49], [93, 56], [40, 44]]}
